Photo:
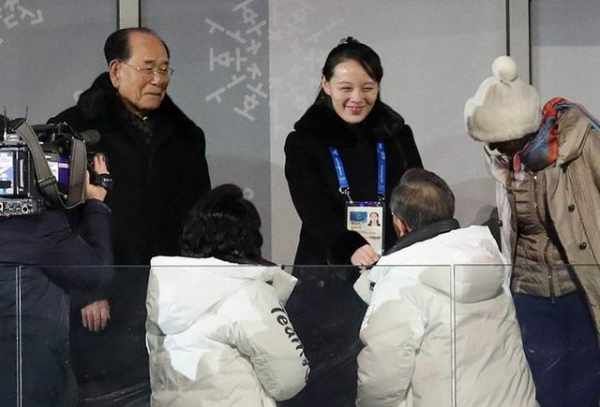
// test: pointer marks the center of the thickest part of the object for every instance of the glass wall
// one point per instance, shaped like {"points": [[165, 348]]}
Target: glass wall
{"points": [[11, 351], [448, 335]]}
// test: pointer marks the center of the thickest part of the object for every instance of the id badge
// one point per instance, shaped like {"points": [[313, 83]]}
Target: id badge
{"points": [[366, 218]]}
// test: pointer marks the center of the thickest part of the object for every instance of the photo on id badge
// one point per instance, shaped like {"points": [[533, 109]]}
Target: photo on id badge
{"points": [[366, 218]]}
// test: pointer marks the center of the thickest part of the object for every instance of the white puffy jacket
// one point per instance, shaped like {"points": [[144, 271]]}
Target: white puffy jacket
{"points": [[218, 335], [412, 328]]}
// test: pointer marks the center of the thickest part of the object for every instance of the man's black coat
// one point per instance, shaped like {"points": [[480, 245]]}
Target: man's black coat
{"points": [[159, 168]]}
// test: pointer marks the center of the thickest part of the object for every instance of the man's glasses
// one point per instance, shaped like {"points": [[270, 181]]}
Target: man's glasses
{"points": [[148, 72]]}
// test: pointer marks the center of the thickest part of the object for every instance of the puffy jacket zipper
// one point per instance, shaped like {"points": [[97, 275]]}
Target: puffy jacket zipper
{"points": [[547, 246], [550, 272]]}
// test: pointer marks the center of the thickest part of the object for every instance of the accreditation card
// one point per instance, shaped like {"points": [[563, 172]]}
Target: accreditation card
{"points": [[366, 218]]}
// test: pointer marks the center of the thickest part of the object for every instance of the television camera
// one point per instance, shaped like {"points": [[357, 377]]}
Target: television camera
{"points": [[44, 166]]}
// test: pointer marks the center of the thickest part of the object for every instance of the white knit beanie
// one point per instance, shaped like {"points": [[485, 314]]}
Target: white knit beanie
{"points": [[504, 107]]}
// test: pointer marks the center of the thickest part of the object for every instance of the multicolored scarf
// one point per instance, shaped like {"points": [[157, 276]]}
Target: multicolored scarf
{"points": [[542, 151]]}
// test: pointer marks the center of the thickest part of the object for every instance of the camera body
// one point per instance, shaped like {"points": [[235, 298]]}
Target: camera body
{"points": [[19, 194], [21, 191]]}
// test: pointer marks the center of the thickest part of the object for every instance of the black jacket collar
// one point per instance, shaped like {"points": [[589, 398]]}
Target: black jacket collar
{"points": [[101, 103], [425, 233], [321, 121]]}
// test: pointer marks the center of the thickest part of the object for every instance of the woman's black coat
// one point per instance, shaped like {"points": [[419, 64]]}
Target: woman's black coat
{"points": [[326, 312], [314, 186]]}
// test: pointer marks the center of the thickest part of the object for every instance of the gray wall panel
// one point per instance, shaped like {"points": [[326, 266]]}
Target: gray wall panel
{"points": [[50, 52], [566, 50]]}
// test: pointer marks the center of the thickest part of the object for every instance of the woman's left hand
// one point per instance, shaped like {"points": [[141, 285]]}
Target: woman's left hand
{"points": [[364, 256]]}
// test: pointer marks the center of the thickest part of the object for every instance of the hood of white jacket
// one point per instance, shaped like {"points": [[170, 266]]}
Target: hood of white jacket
{"points": [[464, 264], [181, 289]]}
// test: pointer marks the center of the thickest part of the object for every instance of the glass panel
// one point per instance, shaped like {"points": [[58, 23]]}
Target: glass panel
{"points": [[11, 348], [412, 327], [559, 334], [541, 331], [487, 340], [401, 331], [107, 338], [202, 319], [46, 300], [215, 327], [389, 327]]}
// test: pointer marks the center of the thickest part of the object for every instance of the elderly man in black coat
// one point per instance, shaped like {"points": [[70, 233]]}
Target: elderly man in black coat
{"points": [[157, 158]]}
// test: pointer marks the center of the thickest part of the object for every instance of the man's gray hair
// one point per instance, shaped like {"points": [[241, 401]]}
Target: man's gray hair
{"points": [[422, 198]]}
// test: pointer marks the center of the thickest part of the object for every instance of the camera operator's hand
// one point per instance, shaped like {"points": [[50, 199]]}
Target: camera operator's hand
{"points": [[95, 191], [95, 316]]}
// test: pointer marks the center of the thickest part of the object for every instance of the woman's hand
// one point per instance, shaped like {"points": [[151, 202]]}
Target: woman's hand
{"points": [[364, 256]]}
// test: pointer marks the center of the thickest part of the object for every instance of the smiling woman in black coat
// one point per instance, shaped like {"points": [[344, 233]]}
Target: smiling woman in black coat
{"points": [[313, 184], [349, 116]]}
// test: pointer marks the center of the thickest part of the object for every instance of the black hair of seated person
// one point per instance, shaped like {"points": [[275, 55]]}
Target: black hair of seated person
{"points": [[117, 47], [350, 48], [422, 198], [225, 225]]}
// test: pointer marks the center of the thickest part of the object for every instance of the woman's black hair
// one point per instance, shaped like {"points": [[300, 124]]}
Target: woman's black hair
{"points": [[225, 225], [351, 49]]}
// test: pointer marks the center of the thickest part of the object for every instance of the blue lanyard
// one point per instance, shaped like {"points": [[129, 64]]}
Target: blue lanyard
{"points": [[381, 170], [340, 172]]}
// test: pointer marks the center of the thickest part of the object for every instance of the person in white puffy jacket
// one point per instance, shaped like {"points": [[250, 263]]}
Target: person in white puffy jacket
{"points": [[217, 331], [418, 341]]}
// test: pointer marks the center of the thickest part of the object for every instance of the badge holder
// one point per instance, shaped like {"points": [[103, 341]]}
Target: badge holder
{"points": [[364, 217], [367, 218]]}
